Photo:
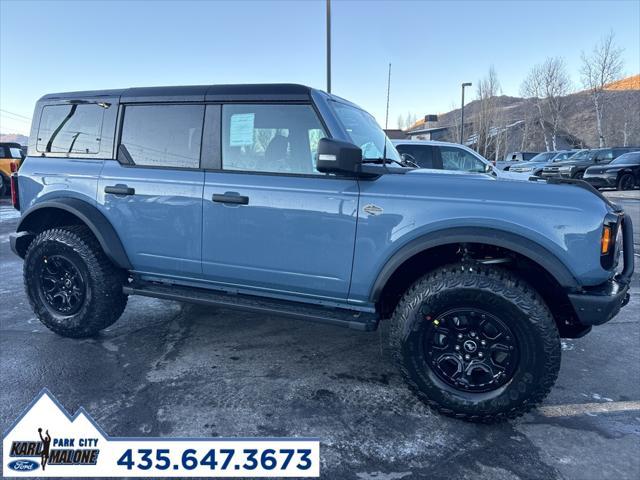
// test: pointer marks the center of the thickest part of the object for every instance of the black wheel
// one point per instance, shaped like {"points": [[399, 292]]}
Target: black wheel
{"points": [[475, 343], [72, 286], [578, 176], [626, 182]]}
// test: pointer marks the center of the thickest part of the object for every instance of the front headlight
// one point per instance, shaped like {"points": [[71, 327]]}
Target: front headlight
{"points": [[567, 168]]}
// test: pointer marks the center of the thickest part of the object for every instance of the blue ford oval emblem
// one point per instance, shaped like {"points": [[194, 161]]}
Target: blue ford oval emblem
{"points": [[23, 465]]}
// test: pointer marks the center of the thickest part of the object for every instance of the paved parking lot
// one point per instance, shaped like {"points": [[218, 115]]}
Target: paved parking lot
{"points": [[167, 369]]}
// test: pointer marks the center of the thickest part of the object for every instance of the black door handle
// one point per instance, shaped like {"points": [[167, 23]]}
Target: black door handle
{"points": [[120, 190], [230, 198]]}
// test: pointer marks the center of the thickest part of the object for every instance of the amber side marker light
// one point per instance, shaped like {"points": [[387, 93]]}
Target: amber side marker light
{"points": [[605, 243]]}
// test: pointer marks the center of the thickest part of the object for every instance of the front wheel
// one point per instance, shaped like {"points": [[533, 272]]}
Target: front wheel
{"points": [[578, 176], [72, 286], [476, 343]]}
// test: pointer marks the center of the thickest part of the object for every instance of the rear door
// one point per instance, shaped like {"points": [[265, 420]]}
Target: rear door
{"points": [[271, 221], [153, 194]]}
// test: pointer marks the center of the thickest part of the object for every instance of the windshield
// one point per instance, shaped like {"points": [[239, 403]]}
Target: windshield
{"points": [[544, 157], [627, 159], [582, 155], [365, 132]]}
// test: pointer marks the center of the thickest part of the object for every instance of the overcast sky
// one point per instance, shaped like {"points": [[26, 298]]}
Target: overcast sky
{"points": [[433, 46]]}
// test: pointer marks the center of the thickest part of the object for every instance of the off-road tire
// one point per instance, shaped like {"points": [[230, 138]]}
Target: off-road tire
{"points": [[497, 291], [623, 182], [104, 301]]}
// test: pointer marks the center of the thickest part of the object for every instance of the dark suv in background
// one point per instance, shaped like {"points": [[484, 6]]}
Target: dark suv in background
{"points": [[622, 174], [576, 165]]}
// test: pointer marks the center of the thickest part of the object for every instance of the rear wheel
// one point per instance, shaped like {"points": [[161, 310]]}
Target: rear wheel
{"points": [[626, 182], [72, 286], [476, 343]]}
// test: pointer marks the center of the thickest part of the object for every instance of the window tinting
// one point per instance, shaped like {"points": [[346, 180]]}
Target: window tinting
{"points": [[70, 128], [270, 138], [163, 135], [419, 154]]}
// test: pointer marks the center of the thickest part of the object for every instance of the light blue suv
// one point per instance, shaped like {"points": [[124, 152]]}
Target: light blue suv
{"points": [[282, 199]]}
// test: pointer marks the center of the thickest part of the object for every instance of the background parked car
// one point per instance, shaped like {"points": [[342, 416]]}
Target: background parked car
{"points": [[9, 153], [442, 156], [537, 163], [623, 173], [575, 166], [513, 158]]}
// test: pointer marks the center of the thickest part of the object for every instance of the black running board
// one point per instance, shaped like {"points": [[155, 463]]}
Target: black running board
{"points": [[315, 313]]}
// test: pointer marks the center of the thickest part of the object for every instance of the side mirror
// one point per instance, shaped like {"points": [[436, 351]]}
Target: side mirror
{"points": [[488, 168], [335, 156]]}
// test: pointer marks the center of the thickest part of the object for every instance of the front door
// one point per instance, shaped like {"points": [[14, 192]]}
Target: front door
{"points": [[153, 194], [271, 222]]}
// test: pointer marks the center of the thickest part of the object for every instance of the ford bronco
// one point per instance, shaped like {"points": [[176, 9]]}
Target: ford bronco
{"points": [[285, 200]]}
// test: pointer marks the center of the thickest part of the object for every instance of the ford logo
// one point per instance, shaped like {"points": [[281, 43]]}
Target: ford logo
{"points": [[23, 465]]}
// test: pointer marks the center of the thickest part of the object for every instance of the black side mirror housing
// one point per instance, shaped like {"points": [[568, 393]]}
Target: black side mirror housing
{"points": [[335, 156]]}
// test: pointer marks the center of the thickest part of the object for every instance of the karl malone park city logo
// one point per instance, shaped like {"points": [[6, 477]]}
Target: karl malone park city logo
{"points": [[46, 439]]}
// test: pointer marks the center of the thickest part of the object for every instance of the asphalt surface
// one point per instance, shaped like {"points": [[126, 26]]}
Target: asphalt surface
{"points": [[167, 369]]}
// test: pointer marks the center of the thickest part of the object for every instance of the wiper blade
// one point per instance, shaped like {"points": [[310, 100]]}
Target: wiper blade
{"points": [[381, 160]]}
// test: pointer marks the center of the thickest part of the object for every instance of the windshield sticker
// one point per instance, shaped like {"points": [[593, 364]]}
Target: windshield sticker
{"points": [[241, 130]]}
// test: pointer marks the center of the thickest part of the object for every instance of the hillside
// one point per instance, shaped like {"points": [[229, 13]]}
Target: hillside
{"points": [[14, 138], [629, 83]]}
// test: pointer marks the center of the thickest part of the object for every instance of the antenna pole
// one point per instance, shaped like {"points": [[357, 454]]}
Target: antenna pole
{"points": [[386, 118], [329, 46]]}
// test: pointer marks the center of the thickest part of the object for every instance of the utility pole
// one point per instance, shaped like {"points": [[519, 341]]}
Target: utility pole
{"points": [[466, 84], [386, 118], [329, 46]]}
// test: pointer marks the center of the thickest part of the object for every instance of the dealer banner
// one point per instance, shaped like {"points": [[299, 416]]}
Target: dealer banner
{"points": [[46, 441]]}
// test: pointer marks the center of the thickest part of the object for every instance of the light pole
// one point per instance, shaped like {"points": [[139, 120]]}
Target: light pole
{"points": [[329, 46], [466, 84]]}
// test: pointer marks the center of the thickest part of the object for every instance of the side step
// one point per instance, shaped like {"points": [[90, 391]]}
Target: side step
{"points": [[315, 313]]}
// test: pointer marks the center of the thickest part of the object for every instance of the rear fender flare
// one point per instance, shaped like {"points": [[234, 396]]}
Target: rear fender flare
{"points": [[91, 217]]}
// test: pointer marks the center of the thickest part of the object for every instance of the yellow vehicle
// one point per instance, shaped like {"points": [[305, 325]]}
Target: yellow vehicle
{"points": [[9, 153]]}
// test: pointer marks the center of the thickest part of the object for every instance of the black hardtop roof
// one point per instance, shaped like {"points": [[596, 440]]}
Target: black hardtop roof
{"points": [[247, 92]]}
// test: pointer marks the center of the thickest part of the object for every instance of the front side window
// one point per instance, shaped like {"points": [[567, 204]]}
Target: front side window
{"points": [[421, 155], [458, 159], [604, 155], [163, 135], [270, 138], [74, 128], [365, 132]]}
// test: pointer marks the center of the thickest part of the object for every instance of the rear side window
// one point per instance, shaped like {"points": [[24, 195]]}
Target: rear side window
{"points": [[163, 135], [70, 128]]}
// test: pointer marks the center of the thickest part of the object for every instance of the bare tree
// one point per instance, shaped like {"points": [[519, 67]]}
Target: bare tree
{"points": [[547, 84], [487, 90], [401, 122], [599, 68]]}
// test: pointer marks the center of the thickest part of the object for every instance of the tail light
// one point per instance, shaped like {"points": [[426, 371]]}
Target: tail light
{"points": [[15, 197]]}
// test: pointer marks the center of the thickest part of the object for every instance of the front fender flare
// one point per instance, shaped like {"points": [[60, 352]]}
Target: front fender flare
{"points": [[489, 236], [92, 218]]}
